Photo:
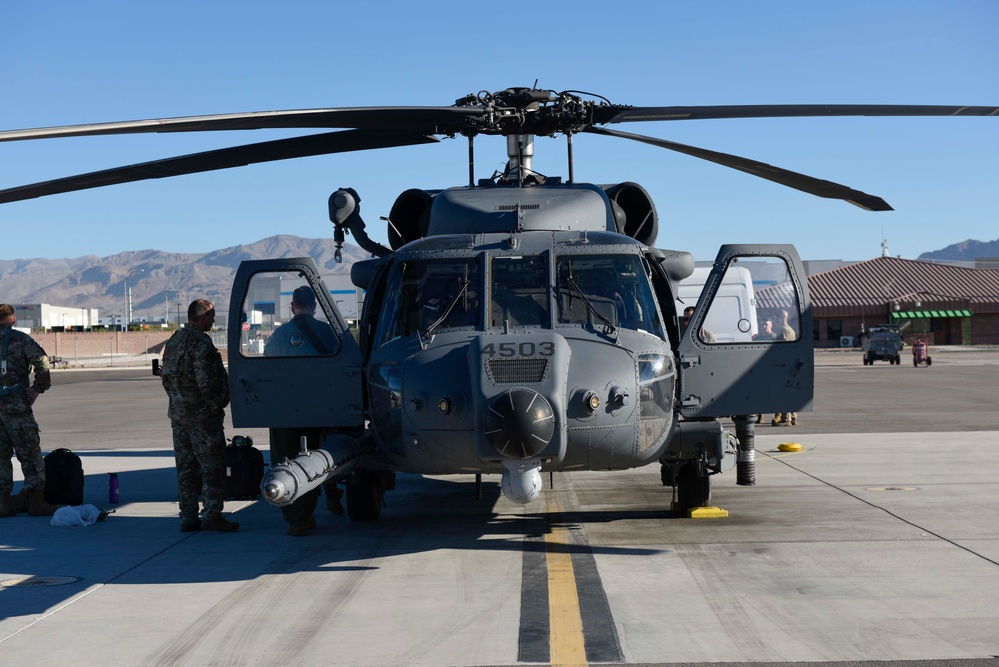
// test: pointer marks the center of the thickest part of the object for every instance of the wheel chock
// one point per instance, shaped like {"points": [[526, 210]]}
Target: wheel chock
{"points": [[707, 513]]}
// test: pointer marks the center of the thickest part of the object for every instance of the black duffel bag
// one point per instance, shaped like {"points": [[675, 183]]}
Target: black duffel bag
{"points": [[63, 478]]}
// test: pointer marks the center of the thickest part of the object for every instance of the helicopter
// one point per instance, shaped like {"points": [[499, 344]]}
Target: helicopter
{"points": [[515, 325]]}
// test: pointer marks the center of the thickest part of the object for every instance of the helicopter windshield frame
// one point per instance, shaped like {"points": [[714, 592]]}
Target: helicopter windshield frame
{"points": [[611, 290], [519, 290], [426, 295]]}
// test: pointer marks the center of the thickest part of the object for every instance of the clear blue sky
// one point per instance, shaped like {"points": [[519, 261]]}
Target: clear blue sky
{"points": [[75, 62]]}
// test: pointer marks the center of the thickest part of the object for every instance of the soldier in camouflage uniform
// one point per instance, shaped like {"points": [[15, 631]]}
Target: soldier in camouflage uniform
{"points": [[198, 386], [303, 335], [786, 332], [18, 428]]}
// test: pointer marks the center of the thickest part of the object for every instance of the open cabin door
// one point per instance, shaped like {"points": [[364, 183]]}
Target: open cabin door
{"points": [[290, 365], [730, 362]]}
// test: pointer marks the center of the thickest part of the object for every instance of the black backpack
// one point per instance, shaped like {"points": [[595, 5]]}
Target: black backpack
{"points": [[63, 478]]}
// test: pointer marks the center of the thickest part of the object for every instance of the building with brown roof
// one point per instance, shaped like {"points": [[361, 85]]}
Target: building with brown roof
{"points": [[949, 305]]}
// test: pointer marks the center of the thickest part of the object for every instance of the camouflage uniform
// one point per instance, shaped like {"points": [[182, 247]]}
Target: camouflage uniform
{"points": [[785, 418], [198, 386], [18, 428]]}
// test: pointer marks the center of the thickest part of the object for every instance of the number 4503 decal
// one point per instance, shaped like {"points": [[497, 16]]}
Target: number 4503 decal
{"points": [[522, 349]]}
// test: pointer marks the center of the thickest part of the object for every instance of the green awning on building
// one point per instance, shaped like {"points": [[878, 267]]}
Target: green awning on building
{"points": [[927, 314]]}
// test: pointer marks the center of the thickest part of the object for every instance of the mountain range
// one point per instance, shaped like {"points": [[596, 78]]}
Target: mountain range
{"points": [[965, 251], [160, 280]]}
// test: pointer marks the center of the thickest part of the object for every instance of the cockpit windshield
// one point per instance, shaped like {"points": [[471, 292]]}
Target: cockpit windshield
{"points": [[519, 291], [606, 291], [424, 296], [603, 292]]}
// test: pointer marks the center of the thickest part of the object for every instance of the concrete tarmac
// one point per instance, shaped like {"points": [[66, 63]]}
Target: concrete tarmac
{"points": [[878, 541]]}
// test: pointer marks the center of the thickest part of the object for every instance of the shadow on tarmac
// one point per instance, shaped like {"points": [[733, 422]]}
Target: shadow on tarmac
{"points": [[45, 567]]}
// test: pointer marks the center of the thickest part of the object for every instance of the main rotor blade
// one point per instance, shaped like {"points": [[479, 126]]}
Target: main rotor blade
{"points": [[791, 179], [423, 120], [618, 114], [223, 158]]}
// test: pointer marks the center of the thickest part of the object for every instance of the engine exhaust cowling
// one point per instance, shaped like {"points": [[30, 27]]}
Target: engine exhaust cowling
{"points": [[639, 220], [409, 217]]}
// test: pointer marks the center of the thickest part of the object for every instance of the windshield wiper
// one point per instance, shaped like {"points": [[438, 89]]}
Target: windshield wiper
{"points": [[573, 286], [464, 282]]}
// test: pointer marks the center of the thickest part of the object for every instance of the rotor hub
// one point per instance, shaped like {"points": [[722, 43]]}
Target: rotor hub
{"points": [[527, 111]]}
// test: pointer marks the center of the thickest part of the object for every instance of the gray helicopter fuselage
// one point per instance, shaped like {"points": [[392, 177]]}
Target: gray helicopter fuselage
{"points": [[519, 329], [431, 392]]}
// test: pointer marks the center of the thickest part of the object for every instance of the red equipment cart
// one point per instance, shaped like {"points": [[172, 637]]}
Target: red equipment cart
{"points": [[921, 354]]}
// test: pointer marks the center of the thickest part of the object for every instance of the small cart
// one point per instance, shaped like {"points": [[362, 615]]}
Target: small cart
{"points": [[882, 342]]}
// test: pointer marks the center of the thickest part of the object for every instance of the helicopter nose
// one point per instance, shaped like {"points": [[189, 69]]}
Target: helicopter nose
{"points": [[519, 423]]}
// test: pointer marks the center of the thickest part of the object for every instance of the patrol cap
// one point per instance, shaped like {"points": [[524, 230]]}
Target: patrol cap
{"points": [[304, 296]]}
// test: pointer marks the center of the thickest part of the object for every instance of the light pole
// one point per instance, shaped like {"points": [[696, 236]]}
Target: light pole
{"points": [[128, 301], [166, 301]]}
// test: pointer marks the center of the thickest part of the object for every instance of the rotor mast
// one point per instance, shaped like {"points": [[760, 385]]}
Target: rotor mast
{"points": [[520, 154]]}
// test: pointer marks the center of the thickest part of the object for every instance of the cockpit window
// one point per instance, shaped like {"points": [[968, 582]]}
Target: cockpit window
{"points": [[519, 291], [602, 291], [755, 302], [430, 295], [449, 295], [286, 317]]}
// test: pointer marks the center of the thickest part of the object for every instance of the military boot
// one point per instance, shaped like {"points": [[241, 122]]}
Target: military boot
{"points": [[21, 501], [6, 505], [778, 420], [299, 528], [219, 523], [37, 505], [333, 503], [190, 525]]}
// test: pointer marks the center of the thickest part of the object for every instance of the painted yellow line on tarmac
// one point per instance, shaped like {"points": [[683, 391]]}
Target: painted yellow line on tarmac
{"points": [[565, 621]]}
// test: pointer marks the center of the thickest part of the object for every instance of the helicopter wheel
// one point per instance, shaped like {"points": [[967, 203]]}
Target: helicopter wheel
{"points": [[692, 490], [364, 496], [667, 473]]}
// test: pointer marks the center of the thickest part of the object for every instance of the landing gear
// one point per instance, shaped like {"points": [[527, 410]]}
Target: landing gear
{"points": [[366, 493], [691, 490]]}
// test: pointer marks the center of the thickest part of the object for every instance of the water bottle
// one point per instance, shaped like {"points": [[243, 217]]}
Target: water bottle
{"points": [[113, 488]]}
